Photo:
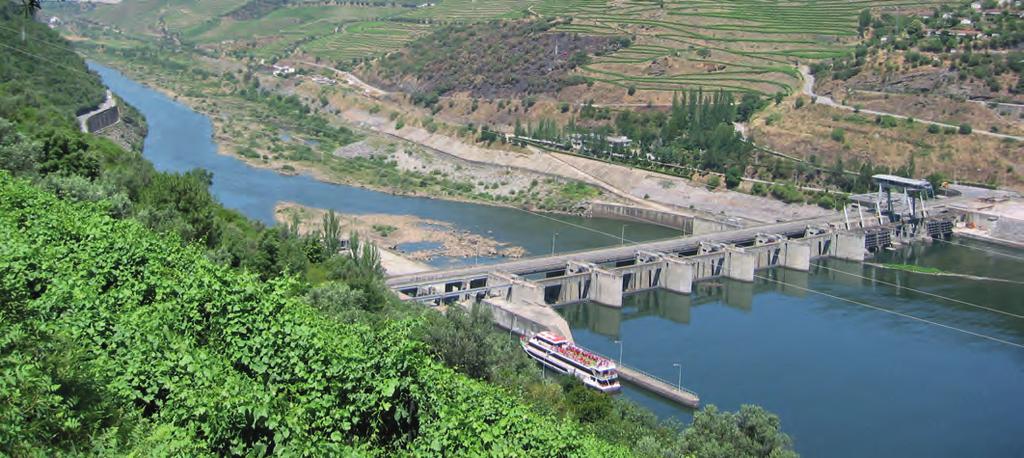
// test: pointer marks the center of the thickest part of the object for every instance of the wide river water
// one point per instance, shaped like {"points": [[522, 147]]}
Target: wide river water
{"points": [[847, 379]]}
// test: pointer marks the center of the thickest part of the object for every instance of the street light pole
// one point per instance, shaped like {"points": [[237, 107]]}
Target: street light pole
{"points": [[553, 243], [679, 381], [620, 351], [622, 236]]}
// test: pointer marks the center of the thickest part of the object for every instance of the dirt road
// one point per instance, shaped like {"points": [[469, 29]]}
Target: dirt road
{"points": [[808, 89]]}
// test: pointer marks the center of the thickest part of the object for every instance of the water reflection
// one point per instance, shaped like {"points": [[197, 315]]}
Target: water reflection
{"points": [[837, 372]]}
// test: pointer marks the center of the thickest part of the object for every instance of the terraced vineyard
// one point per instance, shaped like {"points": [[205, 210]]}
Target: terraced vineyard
{"points": [[471, 10], [143, 16], [288, 23], [363, 39], [741, 45], [747, 45]]}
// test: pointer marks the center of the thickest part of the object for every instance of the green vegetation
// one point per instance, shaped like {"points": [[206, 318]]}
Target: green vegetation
{"points": [[913, 268], [838, 134], [358, 41], [118, 340], [19, 82], [739, 46], [161, 349], [384, 229], [952, 36]]}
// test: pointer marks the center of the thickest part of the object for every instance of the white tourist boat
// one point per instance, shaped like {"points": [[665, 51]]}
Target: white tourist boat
{"points": [[557, 353]]}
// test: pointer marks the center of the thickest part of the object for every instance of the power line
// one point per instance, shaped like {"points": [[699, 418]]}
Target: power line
{"points": [[893, 312], [1011, 314], [31, 54], [1019, 258]]}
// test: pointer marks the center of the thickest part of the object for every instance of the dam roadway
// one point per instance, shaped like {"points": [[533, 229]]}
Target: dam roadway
{"points": [[680, 245]]}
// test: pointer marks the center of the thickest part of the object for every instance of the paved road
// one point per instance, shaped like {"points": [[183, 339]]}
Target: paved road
{"points": [[83, 120], [828, 101]]}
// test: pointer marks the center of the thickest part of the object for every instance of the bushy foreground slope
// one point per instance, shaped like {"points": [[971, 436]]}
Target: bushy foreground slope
{"points": [[116, 338]]}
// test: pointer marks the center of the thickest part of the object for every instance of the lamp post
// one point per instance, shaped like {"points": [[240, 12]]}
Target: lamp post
{"points": [[622, 236], [553, 236], [620, 351], [679, 381]]}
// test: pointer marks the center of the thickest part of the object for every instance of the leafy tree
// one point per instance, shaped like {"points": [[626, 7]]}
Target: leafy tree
{"points": [[751, 432], [863, 21], [733, 177]]}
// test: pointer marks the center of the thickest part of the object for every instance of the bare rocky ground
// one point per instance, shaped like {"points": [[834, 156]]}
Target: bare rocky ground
{"points": [[637, 187], [495, 179]]}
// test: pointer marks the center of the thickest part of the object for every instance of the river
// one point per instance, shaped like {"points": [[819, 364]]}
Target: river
{"points": [[846, 380], [180, 139]]}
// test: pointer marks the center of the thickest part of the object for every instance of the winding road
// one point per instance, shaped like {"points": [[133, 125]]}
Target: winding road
{"points": [[808, 89]]}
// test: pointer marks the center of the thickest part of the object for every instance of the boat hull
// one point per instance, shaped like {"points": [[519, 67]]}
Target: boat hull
{"points": [[554, 365]]}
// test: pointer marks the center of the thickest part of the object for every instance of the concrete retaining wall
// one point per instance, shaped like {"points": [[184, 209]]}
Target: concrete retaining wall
{"points": [[1008, 229], [103, 119], [686, 224]]}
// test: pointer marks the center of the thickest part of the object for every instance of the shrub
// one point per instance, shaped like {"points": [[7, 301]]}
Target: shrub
{"points": [[799, 103], [934, 129], [714, 182], [825, 201], [838, 134], [964, 129]]}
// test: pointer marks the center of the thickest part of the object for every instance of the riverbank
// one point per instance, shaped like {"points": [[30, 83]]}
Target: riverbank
{"points": [[455, 165], [418, 240], [259, 132]]}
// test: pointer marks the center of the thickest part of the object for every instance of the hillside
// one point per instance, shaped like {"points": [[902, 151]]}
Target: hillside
{"points": [[957, 64], [140, 317], [504, 59]]}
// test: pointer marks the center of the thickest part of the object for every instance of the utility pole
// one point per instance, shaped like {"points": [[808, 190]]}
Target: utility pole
{"points": [[622, 236], [553, 236], [679, 381], [620, 351]]}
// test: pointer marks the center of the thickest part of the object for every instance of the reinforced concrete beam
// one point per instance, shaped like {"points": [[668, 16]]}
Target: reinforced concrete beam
{"points": [[521, 291], [678, 276], [606, 287], [797, 255], [740, 264], [850, 246]]}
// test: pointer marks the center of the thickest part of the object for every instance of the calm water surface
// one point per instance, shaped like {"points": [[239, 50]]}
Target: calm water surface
{"points": [[847, 380]]}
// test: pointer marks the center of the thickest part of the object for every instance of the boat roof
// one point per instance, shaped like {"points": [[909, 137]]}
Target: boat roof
{"points": [[552, 337]]}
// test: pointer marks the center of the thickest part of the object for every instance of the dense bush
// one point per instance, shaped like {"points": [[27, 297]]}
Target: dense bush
{"points": [[163, 346]]}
